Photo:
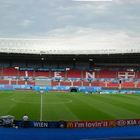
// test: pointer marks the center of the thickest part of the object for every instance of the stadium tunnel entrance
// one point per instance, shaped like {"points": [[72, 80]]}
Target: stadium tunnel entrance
{"points": [[74, 89]]}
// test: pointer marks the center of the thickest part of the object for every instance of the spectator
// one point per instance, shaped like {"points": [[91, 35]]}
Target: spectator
{"points": [[25, 121]]}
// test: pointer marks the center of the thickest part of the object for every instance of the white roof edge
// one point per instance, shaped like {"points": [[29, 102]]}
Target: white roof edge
{"points": [[30, 46], [29, 51]]}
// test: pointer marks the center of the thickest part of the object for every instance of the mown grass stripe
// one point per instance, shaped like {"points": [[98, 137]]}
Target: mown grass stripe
{"points": [[55, 106], [41, 107]]}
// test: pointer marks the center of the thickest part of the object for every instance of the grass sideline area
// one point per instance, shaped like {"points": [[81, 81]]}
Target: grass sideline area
{"points": [[54, 106]]}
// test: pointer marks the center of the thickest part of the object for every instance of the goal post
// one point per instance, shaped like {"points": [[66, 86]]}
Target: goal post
{"points": [[42, 82]]}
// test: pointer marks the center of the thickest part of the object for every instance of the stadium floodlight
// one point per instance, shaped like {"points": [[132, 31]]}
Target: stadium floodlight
{"points": [[130, 69], [67, 69], [90, 59], [17, 68]]}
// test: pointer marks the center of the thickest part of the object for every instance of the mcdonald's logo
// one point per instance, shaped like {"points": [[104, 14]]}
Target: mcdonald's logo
{"points": [[70, 125]]}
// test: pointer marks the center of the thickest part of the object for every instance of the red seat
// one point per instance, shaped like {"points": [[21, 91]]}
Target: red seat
{"points": [[74, 74], [65, 83], [10, 72], [128, 85]]}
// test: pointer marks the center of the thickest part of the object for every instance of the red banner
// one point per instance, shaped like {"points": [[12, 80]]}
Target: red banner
{"points": [[104, 123], [129, 122]]}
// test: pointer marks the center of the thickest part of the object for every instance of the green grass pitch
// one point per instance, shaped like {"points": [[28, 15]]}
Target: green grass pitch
{"points": [[69, 106]]}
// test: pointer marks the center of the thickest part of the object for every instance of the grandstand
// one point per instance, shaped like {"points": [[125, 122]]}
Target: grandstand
{"points": [[105, 69]]}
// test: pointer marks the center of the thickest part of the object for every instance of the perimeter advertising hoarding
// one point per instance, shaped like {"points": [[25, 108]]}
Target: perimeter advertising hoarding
{"points": [[105, 123], [80, 124], [42, 124]]}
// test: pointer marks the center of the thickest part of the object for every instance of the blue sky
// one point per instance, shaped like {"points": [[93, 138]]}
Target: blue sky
{"points": [[71, 23]]}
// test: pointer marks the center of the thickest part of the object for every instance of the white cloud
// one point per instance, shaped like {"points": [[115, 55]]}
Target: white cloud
{"points": [[72, 24], [126, 1], [88, 38], [81, 38]]}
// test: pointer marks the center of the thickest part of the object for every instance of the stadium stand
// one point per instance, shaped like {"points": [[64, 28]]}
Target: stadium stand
{"points": [[105, 71], [106, 74], [9, 72], [103, 78]]}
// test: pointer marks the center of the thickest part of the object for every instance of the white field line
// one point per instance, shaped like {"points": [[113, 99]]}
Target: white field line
{"points": [[41, 107]]}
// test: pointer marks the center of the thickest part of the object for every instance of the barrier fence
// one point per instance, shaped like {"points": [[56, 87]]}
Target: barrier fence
{"points": [[79, 124]]}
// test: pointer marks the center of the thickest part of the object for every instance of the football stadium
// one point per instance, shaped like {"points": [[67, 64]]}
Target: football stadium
{"points": [[72, 87], [62, 89], [70, 70]]}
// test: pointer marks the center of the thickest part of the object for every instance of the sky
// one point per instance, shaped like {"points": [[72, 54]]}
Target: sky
{"points": [[73, 24]]}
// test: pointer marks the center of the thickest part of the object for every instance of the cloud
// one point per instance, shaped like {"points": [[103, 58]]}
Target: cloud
{"points": [[26, 23], [93, 0], [82, 38], [72, 24], [88, 38], [126, 1]]}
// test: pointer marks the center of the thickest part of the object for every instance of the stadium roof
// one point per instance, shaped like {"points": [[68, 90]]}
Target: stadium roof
{"points": [[47, 46]]}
